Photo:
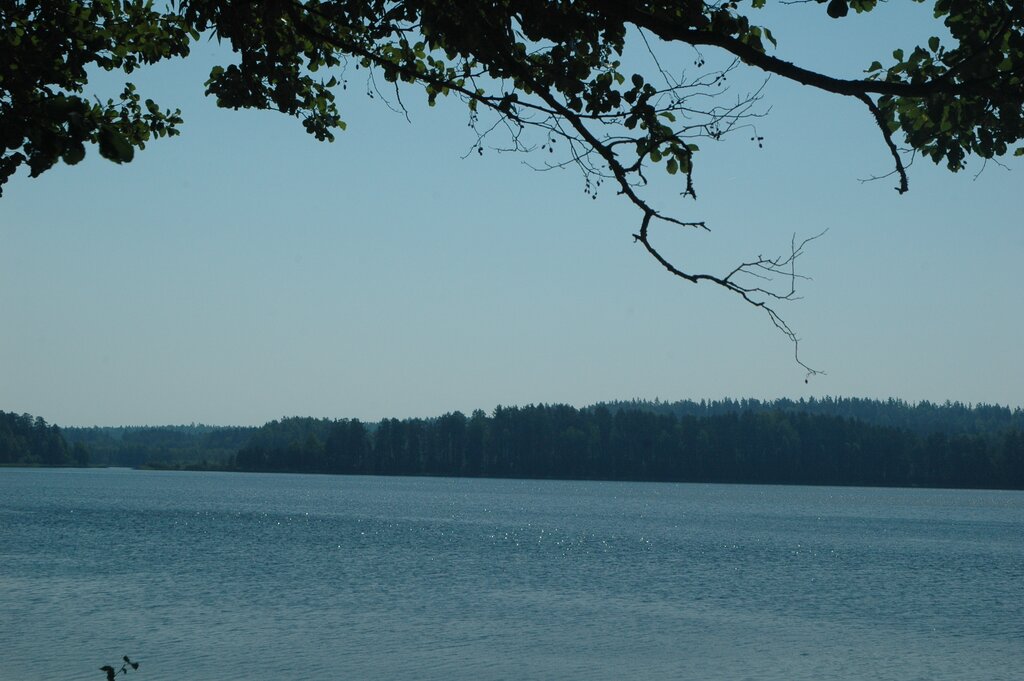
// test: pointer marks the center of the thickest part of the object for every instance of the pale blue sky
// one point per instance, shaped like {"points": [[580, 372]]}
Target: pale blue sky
{"points": [[243, 271]]}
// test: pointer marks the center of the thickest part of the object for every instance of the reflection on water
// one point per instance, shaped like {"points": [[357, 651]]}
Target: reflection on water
{"points": [[239, 576]]}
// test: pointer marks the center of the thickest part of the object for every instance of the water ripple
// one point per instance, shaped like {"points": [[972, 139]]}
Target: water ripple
{"points": [[232, 577]]}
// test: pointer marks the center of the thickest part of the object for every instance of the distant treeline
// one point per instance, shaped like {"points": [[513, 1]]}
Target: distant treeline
{"points": [[161, 446], [922, 417], [30, 440], [636, 443], [835, 441]]}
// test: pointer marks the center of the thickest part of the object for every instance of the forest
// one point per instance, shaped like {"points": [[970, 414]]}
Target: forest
{"points": [[29, 440], [195, 445], [832, 441], [648, 441]]}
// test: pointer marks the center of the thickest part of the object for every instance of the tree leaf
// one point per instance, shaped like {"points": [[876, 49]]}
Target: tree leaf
{"points": [[838, 9], [114, 146], [73, 153]]}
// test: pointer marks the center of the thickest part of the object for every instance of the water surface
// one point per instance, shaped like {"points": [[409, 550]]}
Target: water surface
{"points": [[248, 576]]}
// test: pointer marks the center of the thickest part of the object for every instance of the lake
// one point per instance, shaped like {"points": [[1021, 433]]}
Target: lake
{"points": [[247, 576]]}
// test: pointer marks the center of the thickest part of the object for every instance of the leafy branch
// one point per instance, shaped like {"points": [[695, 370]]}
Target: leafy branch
{"points": [[535, 75]]}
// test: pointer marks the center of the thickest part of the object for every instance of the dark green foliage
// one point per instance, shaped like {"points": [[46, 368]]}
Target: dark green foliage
{"points": [[923, 417], [553, 65], [48, 49], [290, 444], [25, 439], [732, 441]]}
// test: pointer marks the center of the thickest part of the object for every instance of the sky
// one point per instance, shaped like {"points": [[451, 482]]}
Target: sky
{"points": [[243, 271]]}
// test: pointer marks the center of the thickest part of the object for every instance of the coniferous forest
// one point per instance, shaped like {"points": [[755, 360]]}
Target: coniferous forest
{"points": [[815, 442], [25, 439]]}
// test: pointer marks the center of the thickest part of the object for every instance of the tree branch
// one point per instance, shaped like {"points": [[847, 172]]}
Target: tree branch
{"points": [[677, 30], [887, 135]]}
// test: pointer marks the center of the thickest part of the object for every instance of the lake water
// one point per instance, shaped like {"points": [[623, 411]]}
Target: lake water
{"points": [[246, 576]]}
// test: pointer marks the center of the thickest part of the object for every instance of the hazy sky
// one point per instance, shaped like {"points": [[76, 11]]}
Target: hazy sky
{"points": [[243, 271]]}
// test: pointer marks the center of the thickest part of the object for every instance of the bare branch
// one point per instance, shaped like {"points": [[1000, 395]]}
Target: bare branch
{"points": [[762, 269]]}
